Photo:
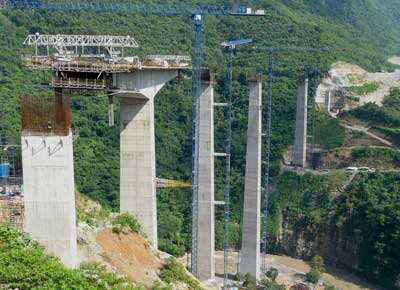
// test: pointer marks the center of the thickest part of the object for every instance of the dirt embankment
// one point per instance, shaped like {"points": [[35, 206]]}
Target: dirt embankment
{"points": [[344, 75], [131, 255], [128, 254]]}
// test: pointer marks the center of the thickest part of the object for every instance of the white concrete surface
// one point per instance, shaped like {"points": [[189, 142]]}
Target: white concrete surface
{"points": [[300, 140], [250, 252], [137, 145], [206, 239], [49, 191], [138, 170]]}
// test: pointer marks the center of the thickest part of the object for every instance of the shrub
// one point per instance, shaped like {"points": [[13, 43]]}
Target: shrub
{"points": [[250, 282], [25, 266], [313, 276], [317, 269], [239, 277], [272, 274], [271, 285], [125, 222], [173, 272], [364, 89]]}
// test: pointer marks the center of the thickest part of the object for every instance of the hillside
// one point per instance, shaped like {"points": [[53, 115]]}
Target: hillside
{"points": [[356, 228], [360, 32], [112, 252]]}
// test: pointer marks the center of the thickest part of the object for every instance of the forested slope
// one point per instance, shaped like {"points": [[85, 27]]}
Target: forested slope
{"points": [[352, 28]]}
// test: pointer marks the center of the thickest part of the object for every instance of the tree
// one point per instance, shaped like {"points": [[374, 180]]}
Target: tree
{"points": [[317, 263], [317, 269]]}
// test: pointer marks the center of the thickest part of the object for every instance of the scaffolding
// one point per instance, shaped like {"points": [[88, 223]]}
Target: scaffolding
{"points": [[10, 166], [46, 115], [114, 45]]}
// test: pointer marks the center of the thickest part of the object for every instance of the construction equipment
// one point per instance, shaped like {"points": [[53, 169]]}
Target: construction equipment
{"points": [[166, 183], [194, 11], [230, 45], [268, 127]]}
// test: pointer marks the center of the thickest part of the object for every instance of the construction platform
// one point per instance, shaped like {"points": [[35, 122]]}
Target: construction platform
{"points": [[91, 62]]}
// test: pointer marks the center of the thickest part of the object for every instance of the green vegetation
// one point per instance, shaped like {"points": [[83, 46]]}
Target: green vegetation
{"points": [[271, 285], [384, 119], [307, 198], [172, 271], [317, 269], [124, 223], [370, 156], [364, 89], [272, 274], [354, 29], [365, 152], [250, 282], [386, 116], [328, 132], [25, 266], [371, 208], [89, 212], [393, 133], [368, 209]]}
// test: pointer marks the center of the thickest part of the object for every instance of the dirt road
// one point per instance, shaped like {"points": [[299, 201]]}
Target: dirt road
{"points": [[292, 271]]}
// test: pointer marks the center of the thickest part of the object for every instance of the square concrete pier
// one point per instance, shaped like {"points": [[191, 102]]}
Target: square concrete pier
{"points": [[250, 253], [300, 140]]}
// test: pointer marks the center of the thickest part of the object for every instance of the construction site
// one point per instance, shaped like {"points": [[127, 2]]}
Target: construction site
{"points": [[47, 146], [98, 62], [37, 170]]}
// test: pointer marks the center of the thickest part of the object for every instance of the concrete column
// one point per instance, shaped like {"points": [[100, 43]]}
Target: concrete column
{"points": [[49, 194], [137, 170], [250, 253], [300, 140], [206, 240], [328, 101], [137, 145]]}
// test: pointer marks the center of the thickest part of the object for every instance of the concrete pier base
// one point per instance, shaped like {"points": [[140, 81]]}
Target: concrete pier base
{"points": [[300, 140], [49, 194], [137, 145], [250, 253], [206, 213]]}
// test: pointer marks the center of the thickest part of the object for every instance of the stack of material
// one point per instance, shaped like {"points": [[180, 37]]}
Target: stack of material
{"points": [[12, 212]]}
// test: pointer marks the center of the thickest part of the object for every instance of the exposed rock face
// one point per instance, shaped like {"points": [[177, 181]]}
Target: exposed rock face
{"points": [[338, 244], [343, 75]]}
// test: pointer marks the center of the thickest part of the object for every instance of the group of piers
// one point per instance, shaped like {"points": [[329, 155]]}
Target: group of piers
{"points": [[47, 153], [47, 141]]}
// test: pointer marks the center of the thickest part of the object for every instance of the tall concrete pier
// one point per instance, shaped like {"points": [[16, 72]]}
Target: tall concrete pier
{"points": [[206, 213], [47, 158], [328, 102], [250, 253], [300, 140], [137, 147]]}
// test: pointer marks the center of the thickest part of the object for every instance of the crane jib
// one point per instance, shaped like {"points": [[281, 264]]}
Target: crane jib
{"points": [[127, 7]]}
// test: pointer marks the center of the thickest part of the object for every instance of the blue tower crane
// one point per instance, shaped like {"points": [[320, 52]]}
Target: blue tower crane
{"points": [[194, 11], [271, 50], [230, 45]]}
